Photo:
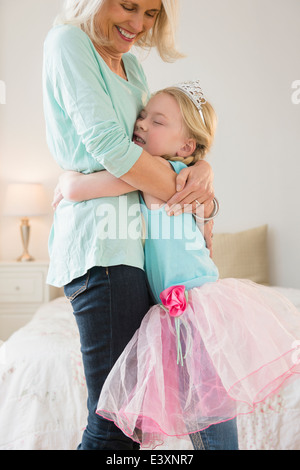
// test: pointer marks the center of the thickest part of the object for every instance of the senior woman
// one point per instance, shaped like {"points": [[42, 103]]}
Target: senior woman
{"points": [[93, 91]]}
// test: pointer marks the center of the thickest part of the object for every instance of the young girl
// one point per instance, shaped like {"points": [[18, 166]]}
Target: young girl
{"points": [[209, 349]]}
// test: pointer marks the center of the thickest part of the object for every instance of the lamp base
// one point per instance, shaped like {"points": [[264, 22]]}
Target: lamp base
{"points": [[25, 232], [25, 257]]}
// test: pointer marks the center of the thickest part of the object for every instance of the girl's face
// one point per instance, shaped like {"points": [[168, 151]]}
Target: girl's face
{"points": [[123, 22], [160, 130]]}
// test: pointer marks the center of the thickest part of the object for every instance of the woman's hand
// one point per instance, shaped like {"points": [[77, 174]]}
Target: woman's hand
{"points": [[195, 192], [193, 184]]}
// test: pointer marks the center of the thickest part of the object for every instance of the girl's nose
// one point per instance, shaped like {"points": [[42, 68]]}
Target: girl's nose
{"points": [[141, 124]]}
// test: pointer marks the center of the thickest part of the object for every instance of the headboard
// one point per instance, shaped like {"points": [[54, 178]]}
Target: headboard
{"points": [[243, 255]]}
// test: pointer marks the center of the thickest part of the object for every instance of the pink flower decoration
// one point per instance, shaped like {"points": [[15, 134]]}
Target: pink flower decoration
{"points": [[174, 299]]}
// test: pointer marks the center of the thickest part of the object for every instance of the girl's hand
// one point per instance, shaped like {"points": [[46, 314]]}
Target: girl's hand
{"points": [[208, 236], [205, 228], [66, 182], [57, 197]]}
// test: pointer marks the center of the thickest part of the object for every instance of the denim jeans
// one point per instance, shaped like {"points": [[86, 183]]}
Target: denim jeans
{"points": [[109, 305], [222, 436]]}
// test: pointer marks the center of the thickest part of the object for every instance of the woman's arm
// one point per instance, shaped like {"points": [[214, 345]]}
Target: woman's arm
{"points": [[149, 175]]}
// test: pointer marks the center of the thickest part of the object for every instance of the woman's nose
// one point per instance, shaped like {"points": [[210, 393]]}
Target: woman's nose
{"points": [[137, 23]]}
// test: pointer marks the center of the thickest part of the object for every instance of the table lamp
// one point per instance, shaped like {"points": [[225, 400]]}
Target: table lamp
{"points": [[25, 200]]}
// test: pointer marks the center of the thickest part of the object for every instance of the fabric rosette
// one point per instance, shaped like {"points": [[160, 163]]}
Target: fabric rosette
{"points": [[174, 301]]}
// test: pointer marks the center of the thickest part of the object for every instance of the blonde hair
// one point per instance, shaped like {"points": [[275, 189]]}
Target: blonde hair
{"points": [[202, 131], [82, 13]]}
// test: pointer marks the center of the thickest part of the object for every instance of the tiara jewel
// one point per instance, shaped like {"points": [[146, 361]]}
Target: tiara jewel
{"points": [[194, 91]]}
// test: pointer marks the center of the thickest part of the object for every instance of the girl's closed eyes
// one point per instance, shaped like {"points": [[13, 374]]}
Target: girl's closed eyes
{"points": [[159, 128], [153, 119]]}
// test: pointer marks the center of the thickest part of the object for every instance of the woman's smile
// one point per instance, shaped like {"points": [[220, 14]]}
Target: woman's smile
{"points": [[126, 35]]}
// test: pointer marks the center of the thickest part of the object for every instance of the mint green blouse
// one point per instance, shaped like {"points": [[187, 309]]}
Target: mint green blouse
{"points": [[90, 114]]}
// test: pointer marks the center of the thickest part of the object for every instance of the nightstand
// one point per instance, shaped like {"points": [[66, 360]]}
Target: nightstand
{"points": [[23, 289]]}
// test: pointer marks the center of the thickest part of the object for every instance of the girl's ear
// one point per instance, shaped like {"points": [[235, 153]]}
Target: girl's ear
{"points": [[187, 149]]}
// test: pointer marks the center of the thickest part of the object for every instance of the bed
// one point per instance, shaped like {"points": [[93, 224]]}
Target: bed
{"points": [[43, 394]]}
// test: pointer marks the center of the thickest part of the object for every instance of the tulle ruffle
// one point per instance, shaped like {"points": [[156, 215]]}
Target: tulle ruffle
{"points": [[237, 343]]}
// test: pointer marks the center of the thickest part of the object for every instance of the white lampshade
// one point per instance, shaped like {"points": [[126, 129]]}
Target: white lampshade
{"points": [[26, 200]]}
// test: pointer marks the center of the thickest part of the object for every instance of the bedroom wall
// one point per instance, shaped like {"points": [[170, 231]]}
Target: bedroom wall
{"points": [[246, 53], [24, 155]]}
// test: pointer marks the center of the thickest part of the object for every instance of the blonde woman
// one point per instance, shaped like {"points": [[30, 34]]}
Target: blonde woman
{"points": [[93, 90]]}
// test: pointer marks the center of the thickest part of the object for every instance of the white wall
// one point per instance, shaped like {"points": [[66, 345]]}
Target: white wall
{"points": [[246, 53], [24, 155]]}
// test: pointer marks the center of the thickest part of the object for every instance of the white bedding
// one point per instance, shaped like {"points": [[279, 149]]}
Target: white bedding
{"points": [[43, 394], [42, 386]]}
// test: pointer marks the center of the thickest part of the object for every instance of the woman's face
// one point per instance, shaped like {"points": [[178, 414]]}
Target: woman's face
{"points": [[159, 129], [123, 22]]}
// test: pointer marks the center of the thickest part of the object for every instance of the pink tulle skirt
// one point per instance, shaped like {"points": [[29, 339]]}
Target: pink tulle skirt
{"points": [[233, 347]]}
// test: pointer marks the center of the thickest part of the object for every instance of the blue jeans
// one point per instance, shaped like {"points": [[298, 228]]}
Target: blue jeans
{"points": [[109, 305], [222, 436]]}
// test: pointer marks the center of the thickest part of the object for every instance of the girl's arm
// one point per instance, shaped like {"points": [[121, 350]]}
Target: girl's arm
{"points": [[80, 187], [192, 183], [76, 187]]}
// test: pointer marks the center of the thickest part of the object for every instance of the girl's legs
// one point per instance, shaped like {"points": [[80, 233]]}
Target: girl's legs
{"points": [[222, 436], [108, 304]]}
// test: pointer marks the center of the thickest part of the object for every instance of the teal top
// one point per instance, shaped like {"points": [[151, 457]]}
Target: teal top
{"points": [[175, 250], [90, 114]]}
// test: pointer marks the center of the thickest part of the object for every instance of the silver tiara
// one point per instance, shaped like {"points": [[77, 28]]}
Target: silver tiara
{"points": [[194, 91]]}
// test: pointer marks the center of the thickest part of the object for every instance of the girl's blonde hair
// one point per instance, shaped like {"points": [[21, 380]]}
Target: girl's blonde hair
{"points": [[202, 131], [82, 13]]}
